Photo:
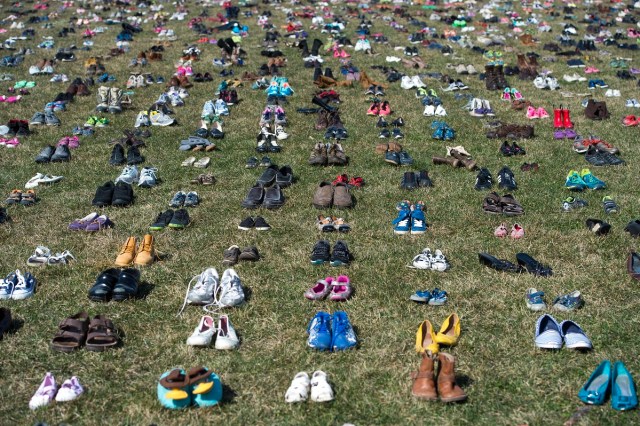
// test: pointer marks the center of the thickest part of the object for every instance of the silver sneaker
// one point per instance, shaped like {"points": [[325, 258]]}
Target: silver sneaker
{"points": [[159, 119], [208, 110], [129, 175], [202, 292], [148, 177], [232, 293], [142, 119]]}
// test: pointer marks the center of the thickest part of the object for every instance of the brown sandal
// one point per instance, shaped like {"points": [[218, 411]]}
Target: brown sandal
{"points": [[492, 204], [101, 335], [72, 333], [510, 207]]}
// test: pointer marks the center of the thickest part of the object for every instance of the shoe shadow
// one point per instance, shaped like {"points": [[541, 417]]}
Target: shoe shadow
{"points": [[228, 394], [16, 324], [464, 381], [247, 293], [144, 289]]}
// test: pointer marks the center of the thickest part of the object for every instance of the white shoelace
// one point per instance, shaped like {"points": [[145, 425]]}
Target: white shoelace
{"points": [[216, 299]]}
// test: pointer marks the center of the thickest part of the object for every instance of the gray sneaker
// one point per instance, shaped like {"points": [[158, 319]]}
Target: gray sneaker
{"points": [[50, 119], [142, 119], [148, 177], [159, 119], [178, 199], [202, 292], [129, 175], [192, 199], [232, 293], [37, 119], [208, 110]]}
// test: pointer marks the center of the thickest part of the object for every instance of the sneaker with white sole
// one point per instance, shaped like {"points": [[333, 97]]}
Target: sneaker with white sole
{"points": [[422, 260], [39, 257], [129, 175], [148, 177], [204, 332], [439, 262], [45, 393], [226, 339], [203, 291], [157, 118], [280, 133], [231, 293], [142, 119], [70, 390], [25, 287]]}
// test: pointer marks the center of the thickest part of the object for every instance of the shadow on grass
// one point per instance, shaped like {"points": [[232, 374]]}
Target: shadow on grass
{"points": [[144, 289], [228, 394], [15, 326]]}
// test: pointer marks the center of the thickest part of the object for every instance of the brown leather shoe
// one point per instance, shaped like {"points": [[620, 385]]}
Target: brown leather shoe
{"points": [[146, 252], [250, 254], [341, 197], [318, 156], [424, 385], [127, 252], [448, 389], [323, 197], [382, 148], [447, 160], [82, 90], [230, 256], [464, 159], [323, 121], [395, 146], [336, 156]]}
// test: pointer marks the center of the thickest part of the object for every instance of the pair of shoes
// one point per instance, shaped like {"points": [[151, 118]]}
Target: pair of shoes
{"points": [[597, 226], [341, 256], [70, 390], [142, 255], [184, 199], [424, 383], [436, 297], [336, 288], [412, 180], [379, 108], [115, 284], [43, 256], [332, 223], [209, 290], [606, 380], [509, 150], [598, 156], [567, 302], [530, 167], [331, 332], [328, 195], [549, 334], [109, 100], [507, 205], [96, 121], [48, 154], [353, 182], [92, 222], [204, 179], [410, 220], [506, 179], [41, 178], [583, 180], [328, 154], [499, 264], [428, 341], [27, 198], [398, 158], [270, 198], [110, 194], [225, 335], [133, 156], [517, 231], [17, 286], [257, 223], [233, 254], [179, 389], [435, 261], [202, 163], [301, 385], [47, 118], [96, 335]]}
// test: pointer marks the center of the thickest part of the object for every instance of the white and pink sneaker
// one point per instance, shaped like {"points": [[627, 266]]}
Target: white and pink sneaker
{"points": [[71, 389], [341, 288], [320, 290], [45, 393]]}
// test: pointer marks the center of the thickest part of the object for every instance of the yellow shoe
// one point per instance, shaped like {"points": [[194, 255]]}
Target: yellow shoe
{"points": [[127, 252], [146, 252], [426, 339], [450, 331]]}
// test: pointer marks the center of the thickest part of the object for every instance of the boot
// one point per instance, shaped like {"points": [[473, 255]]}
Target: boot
{"points": [[317, 44], [318, 155], [322, 104], [329, 73], [465, 160], [490, 77], [103, 99], [448, 389], [336, 156], [317, 73], [305, 48], [500, 80], [566, 119], [127, 253], [447, 160], [115, 98], [323, 82], [523, 66], [82, 90], [557, 117], [424, 386], [146, 252], [322, 122]]}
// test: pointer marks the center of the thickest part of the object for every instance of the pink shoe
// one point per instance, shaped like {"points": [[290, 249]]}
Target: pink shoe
{"points": [[374, 109], [3, 141], [73, 142], [320, 290], [542, 113], [3, 98], [591, 70], [516, 94], [13, 99], [63, 141], [517, 231], [181, 71], [344, 54], [336, 54], [12, 143], [501, 231], [532, 113], [188, 71], [385, 109], [341, 289], [506, 95]]}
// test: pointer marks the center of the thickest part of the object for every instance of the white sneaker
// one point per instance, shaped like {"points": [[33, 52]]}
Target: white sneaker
{"points": [[609, 93], [132, 81], [183, 93], [406, 82], [440, 111], [142, 119], [148, 177], [129, 175], [231, 293], [421, 261], [299, 389], [540, 82], [159, 119], [226, 338], [25, 287], [39, 257], [203, 291], [280, 133], [45, 393], [203, 334], [320, 389], [439, 262], [429, 111], [417, 82], [71, 389]]}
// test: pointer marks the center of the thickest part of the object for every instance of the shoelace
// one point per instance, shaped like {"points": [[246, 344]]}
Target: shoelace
{"points": [[60, 258]]}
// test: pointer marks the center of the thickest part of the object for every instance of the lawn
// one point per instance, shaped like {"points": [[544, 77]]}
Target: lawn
{"points": [[507, 379]]}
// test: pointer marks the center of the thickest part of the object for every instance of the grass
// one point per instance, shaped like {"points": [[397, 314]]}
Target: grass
{"points": [[508, 381]]}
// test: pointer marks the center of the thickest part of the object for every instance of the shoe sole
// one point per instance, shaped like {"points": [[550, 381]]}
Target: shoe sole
{"points": [[177, 226], [318, 262], [157, 228], [263, 228], [549, 346], [392, 162], [417, 232], [400, 232], [456, 399], [245, 228], [338, 263]]}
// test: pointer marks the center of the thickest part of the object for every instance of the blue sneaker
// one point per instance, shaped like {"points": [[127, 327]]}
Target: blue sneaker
{"points": [[401, 224], [418, 221], [273, 89], [24, 287], [286, 90], [421, 296], [623, 390], [343, 335], [595, 390], [449, 133], [7, 285], [591, 181], [319, 330], [574, 182], [439, 133], [438, 297], [174, 390], [535, 300]]}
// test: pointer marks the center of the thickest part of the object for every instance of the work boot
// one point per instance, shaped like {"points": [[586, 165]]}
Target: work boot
{"points": [[322, 121], [448, 389], [424, 385], [146, 252], [318, 155], [103, 99], [115, 98], [336, 156], [127, 253]]}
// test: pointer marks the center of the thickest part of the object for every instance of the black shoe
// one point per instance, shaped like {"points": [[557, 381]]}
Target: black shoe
{"points": [[122, 195], [162, 221], [180, 219], [134, 156], [104, 195], [321, 253], [268, 177], [483, 180], [45, 155], [117, 155], [127, 285], [506, 149], [405, 158], [499, 264], [254, 197], [273, 144], [102, 289], [62, 153], [595, 157], [633, 228], [409, 181], [284, 177], [533, 266], [4, 217], [398, 122], [424, 181], [340, 255], [385, 133], [397, 134], [598, 227], [247, 224], [517, 149], [273, 197], [261, 224], [392, 157], [506, 180], [382, 122]]}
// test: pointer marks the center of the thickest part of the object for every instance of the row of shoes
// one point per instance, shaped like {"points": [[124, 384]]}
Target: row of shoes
{"points": [[43, 256], [224, 334], [428, 260], [336, 289], [331, 332]]}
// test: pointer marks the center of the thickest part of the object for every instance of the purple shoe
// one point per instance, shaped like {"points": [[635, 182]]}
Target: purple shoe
{"points": [[559, 134], [101, 222], [634, 70], [570, 134], [81, 224]]}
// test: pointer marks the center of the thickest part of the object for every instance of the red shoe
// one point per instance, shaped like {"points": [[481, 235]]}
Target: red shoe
{"points": [[557, 117], [385, 109], [566, 119], [341, 179], [630, 120], [374, 109], [356, 181]]}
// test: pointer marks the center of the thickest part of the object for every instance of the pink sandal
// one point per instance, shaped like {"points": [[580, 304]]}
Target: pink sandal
{"points": [[542, 113], [340, 288], [501, 231], [517, 231]]}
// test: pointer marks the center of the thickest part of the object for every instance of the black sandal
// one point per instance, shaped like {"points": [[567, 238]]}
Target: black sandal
{"points": [[533, 266]]}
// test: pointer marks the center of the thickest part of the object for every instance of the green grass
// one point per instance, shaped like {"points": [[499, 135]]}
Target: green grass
{"points": [[507, 379]]}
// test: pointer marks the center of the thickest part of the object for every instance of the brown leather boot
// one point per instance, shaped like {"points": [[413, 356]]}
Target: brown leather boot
{"points": [[448, 389], [464, 159], [424, 386], [323, 120], [447, 160], [490, 80], [318, 155]]}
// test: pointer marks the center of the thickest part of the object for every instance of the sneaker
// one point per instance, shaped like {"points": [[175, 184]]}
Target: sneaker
{"points": [[321, 253], [50, 119], [157, 118], [192, 199], [261, 224], [568, 302], [142, 119], [148, 177], [162, 221], [418, 221], [571, 203], [535, 300], [484, 180], [231, 293], [438, 297], [319, 330], [7, 286], [180, 219], [129, 175], [24, 287], [591, 181], [202, 293], [37, 119], [343, 336], [421, 296], [178, 199], [574, 181], [402, 223], [506, 179], [340, 255]]}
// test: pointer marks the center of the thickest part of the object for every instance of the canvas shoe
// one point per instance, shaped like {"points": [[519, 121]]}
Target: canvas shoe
{"points": [[7, 285], [226, 338], [535, 300], [548, 334], [45, 393], [319, 330], [25, 287], [70, 390], [439, 262], [231, 293], [418, 221], [343, 336], [422, 260], [202, 292], [129, 175], [402, 223], [574, 337], [204, 332], [148, 177]]}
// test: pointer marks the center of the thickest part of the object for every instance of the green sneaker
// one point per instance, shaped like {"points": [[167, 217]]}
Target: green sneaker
{"points": [[102, 122], [574, 181], [91, 121], [591, 181]]}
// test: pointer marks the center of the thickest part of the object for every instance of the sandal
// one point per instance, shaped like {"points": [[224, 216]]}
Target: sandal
{"points": [[533, 266], [491, 204], [72, 333], [299, 389], [609, 205], [102, 334], [510, 207], [28, 198]]}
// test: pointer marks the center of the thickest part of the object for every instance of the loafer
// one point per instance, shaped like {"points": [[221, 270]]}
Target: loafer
{"points": [[573, 335], [548, 335], [45, 155], [268, 177], [273, 197], [595, 390], [254, 197], [284, 177]]}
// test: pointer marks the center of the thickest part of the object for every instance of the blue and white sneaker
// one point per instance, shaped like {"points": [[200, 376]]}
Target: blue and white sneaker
{"points": [[418, 221], [319, 330], [7, 285], [401, 224], [548, 335], [49, 107], [25, 286], [273, 89], [438, 297], [343, 335], [535, 300], [421, 296], [221, 108], [574, 337], [286, 90], [591, 181], [208, 110]]}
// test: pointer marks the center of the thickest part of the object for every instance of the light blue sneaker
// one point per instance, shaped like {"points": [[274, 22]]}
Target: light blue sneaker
{"points": [[273, 89], [548, 334], [319, 330], [221, 108], [623, 390], [208, 110], [591, 181], [535, 299], [574, 182], [595, 390], [343, 335], [418, 221], [25, 286], [421, 296], [285, 89], [574, 337], [401, 224], [438, 297], [173, 389]]}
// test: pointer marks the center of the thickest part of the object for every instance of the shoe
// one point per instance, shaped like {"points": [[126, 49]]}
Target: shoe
{"points": [[146, 254], [128, 175], [448, 389], [45, 393], [202, 293], [104, 195], [45, 155], [117, 155], [343, 336], [102, 289], [424, 386], [321, 253], [426, 339], [134, 156], [506, 179], [273, 197], [61, 154], [623, 389], [319, 330], [340, 256], [178, 199], [323, 196], [574, 181], [127, 285], [340, 288], [574, 337], [122, 195], [99, 223], [261, 224], [180, 219], [449, 331], [249, 254], [127, 253], [148, 177], [162, 221], [299, 389], [568, 302], [484, 180], [548, 334], [418, 221], [591, 181], [70, 390], [254, 197], [191, 199], [226, 338], [535, 300], [203, 333], [231, 293], [595, 390]]}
